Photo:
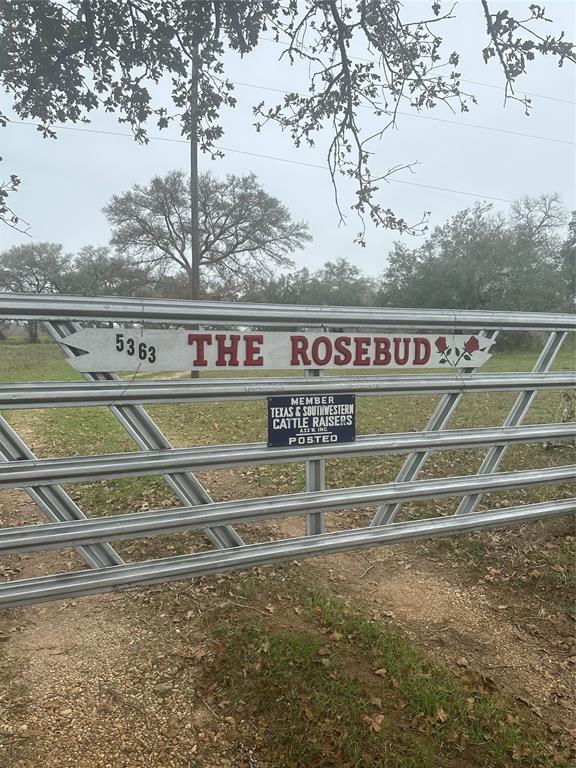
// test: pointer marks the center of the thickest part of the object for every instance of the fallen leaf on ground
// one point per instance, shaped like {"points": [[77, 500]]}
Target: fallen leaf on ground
{"points": [[421, 722], [382, 672], [441, 715], [519, 753], [375, 722]]}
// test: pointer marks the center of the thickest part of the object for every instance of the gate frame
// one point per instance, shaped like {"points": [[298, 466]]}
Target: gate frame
{"points": [[88, 536]]}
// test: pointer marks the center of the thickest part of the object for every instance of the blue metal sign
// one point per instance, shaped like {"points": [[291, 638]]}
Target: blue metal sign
{"points": [[311, 420]]}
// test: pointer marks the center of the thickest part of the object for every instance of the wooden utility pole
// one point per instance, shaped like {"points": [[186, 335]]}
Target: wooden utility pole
{"points": [[194, 196], [194, 273]]}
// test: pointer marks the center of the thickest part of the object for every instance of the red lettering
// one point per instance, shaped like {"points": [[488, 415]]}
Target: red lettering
{"points": [[318, 359], [342, 347], [382, 354], [230, 349], [362, 343], [422, 349], [200, 339], [401, 359], [253, 343], [299, 350]]}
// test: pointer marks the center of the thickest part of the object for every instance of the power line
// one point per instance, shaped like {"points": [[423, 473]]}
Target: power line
{"points": [[536, 95], [267, 157], [453, 191], [472, 82], [391, 181], [435, 119]]}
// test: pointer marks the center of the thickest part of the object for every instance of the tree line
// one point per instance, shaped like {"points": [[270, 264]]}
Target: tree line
{"points": [[480, 258]]}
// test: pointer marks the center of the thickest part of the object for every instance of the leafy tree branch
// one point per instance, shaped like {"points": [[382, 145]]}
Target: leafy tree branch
{"points": [[84, 55]]}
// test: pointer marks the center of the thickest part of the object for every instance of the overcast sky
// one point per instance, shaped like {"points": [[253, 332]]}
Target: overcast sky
{"points": [[65, 183]]}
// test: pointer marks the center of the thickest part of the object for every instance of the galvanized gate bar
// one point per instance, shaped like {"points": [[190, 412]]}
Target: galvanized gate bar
{"points": [[315, 478], [148, 436], [125, 397], [66, 394], [135, 525], [25, 307], [516, 416], [71, 585], [79, 469], [414, 463], [53, 501]]}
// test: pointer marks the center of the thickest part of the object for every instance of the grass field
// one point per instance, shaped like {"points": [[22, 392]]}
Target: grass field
{"points": [[63, 431], [60, 432], [311, 680]]}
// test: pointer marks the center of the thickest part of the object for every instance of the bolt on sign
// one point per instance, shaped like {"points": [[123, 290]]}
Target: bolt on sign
{"points": [[139, 349]]}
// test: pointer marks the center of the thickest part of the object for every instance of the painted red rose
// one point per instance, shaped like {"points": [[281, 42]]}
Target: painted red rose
{"points": [[441, 344], [471, 344]]}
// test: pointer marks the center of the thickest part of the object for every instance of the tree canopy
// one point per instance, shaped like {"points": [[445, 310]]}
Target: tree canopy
{"points": [[244, 232], [336, 283], [34, 268], [478, 259], [481, 259], [83, 55], [96, 271], [567, 265]]}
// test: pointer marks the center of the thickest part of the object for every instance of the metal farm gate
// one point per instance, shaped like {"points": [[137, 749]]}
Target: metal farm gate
{"points": [[43, 479]]}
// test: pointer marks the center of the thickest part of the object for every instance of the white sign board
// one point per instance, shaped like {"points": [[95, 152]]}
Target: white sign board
{"points": [[138, 349]]}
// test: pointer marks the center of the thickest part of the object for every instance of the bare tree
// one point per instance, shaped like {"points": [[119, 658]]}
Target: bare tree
{"points": [[245, 233], [540, 217]]}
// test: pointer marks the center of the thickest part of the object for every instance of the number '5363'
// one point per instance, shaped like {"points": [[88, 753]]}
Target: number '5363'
{"points": [[134, 347]]}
